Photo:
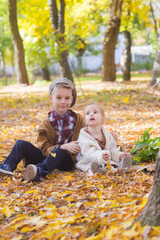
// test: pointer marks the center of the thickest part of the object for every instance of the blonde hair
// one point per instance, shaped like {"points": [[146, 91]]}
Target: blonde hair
{"points": [[96, 104]]}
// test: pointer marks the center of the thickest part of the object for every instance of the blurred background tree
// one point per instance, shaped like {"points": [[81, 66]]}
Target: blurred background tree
{"points": [[21, 71], [66, 32]]}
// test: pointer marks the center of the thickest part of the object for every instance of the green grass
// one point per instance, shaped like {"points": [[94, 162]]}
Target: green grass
{"points": [[9, 81], [138, 75], [81, 78], [118, 77]]}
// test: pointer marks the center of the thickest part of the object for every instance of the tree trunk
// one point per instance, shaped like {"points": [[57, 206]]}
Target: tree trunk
{"points": [[156, 65], [110, 40], [4, 73], [127, 57], [64, 66], [57, 21], [45, 73], [150, 214], [79, 70], [21, 72], [156, 69]]}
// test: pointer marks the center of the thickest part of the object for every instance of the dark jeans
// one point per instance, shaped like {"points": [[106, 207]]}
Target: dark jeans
{"points": [[23, 149]]}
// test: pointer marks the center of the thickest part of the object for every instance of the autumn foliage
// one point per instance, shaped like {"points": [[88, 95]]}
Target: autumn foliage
{"points": [[72, 205]]}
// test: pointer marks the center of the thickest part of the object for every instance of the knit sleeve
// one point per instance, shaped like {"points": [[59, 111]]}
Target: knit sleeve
{"points": [[114, 151]]}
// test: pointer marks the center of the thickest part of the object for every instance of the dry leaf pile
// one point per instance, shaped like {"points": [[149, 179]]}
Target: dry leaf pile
{"points": [[73, 205]]}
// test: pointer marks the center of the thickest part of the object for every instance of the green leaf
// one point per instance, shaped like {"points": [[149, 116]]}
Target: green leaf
{"points": [[139, 146], [146, 149], [146, 135]]}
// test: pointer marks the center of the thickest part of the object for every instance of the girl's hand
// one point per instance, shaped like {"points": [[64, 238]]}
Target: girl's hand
{"points": [[72, 147], [105, 157]]}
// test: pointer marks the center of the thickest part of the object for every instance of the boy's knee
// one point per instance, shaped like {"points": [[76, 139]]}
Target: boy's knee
{"points": [[58, 152], [21, 143]]}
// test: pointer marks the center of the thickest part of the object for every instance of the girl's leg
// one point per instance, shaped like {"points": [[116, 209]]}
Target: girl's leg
{"points": [[23, 149]]}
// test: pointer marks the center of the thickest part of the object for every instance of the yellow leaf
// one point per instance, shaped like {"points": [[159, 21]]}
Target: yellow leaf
{"points": [[127, 224], [111, 231], [144, 202], [98, 237], [99, 194], [131, 233], [108, 165], [49, 234], [156, 228], [69, 199], [52, 215], [18, 237], [17, 219], [26, 181], [155, 231], [7, 211], [31, 191], [35, 220], [69, 178], [26, 229], [53, 154], [126, 100], [41, 213]]}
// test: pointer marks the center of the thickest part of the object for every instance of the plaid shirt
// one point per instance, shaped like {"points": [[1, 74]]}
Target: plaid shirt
{"points": [[64, 125]]}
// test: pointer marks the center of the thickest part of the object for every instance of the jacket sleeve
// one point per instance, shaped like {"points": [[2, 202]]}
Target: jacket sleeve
{"points": [[115, 153], [46, 138], [91, 154]]}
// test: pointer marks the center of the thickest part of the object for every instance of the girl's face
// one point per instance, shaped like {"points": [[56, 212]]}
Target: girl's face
{"points": [[61, 99], [93, 116]]}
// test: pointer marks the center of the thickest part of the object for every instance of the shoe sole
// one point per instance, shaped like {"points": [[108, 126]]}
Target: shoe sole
{"points": [[95, 168], [6, 173], [127, 162], [30, 172]]}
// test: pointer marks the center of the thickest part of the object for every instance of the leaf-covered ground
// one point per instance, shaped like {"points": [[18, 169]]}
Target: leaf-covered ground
{"points": [[73, 205]]}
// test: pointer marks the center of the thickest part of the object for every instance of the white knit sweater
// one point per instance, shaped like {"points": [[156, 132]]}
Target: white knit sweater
{"points": [[92, 152]]}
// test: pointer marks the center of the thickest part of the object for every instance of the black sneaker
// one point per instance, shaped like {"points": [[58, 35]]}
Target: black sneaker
{"points": [[96, 168], [126, 162], [5, 170]]}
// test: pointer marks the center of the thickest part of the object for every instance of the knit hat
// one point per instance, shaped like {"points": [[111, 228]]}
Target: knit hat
{"points": [[67, 82]]}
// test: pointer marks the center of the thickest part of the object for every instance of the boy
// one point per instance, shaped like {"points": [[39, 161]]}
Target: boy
{"points": [[56, 140], [97, 145]]}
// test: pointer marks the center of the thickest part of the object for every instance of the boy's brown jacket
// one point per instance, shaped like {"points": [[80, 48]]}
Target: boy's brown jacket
{"points": [[47, 136]]}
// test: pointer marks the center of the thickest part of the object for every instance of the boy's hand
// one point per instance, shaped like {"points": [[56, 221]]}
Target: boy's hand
{"points": [[124, 154], [105, 157], [72, 147]]}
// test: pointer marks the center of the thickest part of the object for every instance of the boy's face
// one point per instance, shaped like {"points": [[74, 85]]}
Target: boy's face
{"points": [[93, 116], [61, 99]]}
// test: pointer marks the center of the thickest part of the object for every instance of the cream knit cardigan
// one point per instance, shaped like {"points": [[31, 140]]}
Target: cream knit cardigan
{"points": [[92, 152]]}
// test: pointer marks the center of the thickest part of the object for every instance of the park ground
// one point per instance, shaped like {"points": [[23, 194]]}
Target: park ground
{"points": [[74, 205]]}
